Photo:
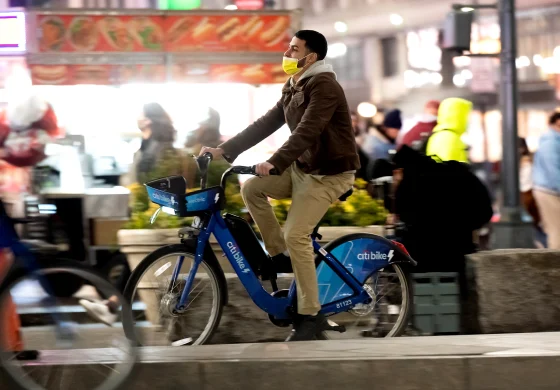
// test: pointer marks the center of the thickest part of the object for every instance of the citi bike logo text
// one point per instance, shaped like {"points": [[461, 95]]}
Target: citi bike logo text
{"points": [[163, 198], [238, 258], [376, 255]]}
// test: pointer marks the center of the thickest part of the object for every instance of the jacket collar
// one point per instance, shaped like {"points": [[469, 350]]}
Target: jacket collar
{"points": [[316, 68]]}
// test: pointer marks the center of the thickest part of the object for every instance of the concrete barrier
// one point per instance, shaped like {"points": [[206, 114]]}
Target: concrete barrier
{"points": [[514, 290], [512, 362]]}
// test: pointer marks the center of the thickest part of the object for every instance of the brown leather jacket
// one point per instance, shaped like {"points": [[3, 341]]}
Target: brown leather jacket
{"points": [[322, 140]]}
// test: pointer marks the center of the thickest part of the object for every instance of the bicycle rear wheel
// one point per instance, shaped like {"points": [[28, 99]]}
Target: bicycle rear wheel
{"points": [[74, 354], [366, 256]]}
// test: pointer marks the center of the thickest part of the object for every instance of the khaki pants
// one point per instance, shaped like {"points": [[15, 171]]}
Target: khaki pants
{"points": [[311, 197], [549, 207]]}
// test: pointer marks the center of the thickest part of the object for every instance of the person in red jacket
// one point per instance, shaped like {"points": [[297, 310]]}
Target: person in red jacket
{"points": [[26, 125], [424, 127]]}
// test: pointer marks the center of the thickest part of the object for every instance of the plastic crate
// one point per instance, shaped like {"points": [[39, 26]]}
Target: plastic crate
{"points": [[437, 304]]}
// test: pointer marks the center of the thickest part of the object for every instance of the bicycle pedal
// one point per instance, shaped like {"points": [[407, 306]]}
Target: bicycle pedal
{"points": [[331, 325], [180, 343]]}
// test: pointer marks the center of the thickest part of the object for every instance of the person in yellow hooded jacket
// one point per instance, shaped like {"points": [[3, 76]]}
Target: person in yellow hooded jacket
{"points": [[445, 141]]}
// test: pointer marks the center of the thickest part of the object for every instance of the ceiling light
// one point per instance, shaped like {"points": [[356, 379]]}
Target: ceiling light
{"points": [[466, 74], [436, 78], [337, 50], [367, 110], [467, 9], [341, 27], [538, 60], [231, 7], [459, 81], [396, 19]]}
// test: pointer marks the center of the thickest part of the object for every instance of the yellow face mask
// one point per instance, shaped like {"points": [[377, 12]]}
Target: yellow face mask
{"points": [[290, 65]]}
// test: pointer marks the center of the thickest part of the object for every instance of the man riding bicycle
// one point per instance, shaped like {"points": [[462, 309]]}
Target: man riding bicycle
{"points": [[315, 166]]}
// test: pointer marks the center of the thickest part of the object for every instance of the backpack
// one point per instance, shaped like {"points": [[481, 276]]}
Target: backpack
{"points": [[442, 194]]}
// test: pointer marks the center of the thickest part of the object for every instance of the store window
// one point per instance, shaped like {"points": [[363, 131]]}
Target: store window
{"points": [[350, 65], [424, 59], [389, 52], [538, 37]]}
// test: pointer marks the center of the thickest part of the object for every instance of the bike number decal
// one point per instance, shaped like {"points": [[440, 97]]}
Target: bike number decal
{"points": [[344, 304]]}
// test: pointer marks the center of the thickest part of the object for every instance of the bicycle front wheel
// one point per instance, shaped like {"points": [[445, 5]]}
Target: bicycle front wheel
{"points": [[156, 286], [64, 349]]}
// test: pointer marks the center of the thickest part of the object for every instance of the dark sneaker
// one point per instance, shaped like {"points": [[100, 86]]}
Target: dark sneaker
{"points": [[282, 264], [306, 328]]}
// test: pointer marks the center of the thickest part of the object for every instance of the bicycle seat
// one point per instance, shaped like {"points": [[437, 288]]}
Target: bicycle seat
{"points": [[346, 195]]}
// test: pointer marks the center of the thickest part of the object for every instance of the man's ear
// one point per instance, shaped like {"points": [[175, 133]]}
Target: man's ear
{"points": [[314, 57]]}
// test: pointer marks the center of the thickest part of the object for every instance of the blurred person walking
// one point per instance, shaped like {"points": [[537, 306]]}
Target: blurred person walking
{"points": [[380, 140], [445, 142], [546, 180], [207, 134], [359, 136], [526, 189], [425, 126], [158, 136], [26, 126], [156, 158]]}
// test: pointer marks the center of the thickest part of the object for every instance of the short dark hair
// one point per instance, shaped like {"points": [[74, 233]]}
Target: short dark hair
{"points": [[554, 118], [315, 42]]}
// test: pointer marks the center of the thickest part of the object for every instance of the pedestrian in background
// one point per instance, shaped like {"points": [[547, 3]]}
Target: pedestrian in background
{"points": [[445, 142], [546, 180], [425, 126], [380, 141]]}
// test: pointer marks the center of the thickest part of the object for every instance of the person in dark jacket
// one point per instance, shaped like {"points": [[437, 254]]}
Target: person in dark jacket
{"points": [[316, 165], [359, 136], [158, 135], [208, 132], [380, 141], [441, 204], [155, 158]]}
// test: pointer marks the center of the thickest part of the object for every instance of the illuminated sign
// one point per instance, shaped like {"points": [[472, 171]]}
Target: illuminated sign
{"points": [[249, 4], [12, 32]]}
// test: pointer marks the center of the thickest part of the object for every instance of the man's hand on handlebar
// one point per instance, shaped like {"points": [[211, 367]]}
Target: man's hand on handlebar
{"points": [[216, 152], [264, 168]]}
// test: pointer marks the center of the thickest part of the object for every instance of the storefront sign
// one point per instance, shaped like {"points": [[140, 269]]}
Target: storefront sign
{"points": [[175, 32], [96, 74], [227, 33], [12, 32], [127, 74], [483, 75]]}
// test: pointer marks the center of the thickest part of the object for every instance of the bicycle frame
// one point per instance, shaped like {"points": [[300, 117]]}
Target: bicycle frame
{"points": [[275, 306]]}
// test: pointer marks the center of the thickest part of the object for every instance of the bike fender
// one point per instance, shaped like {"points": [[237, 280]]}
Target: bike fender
{"points": [[401, 254]]}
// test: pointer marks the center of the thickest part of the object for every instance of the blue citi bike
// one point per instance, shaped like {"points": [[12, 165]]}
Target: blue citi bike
{"points": [[178, 291]]}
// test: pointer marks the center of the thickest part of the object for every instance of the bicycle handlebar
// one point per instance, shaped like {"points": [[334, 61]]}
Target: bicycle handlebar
{"points": [[203, 163]]}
